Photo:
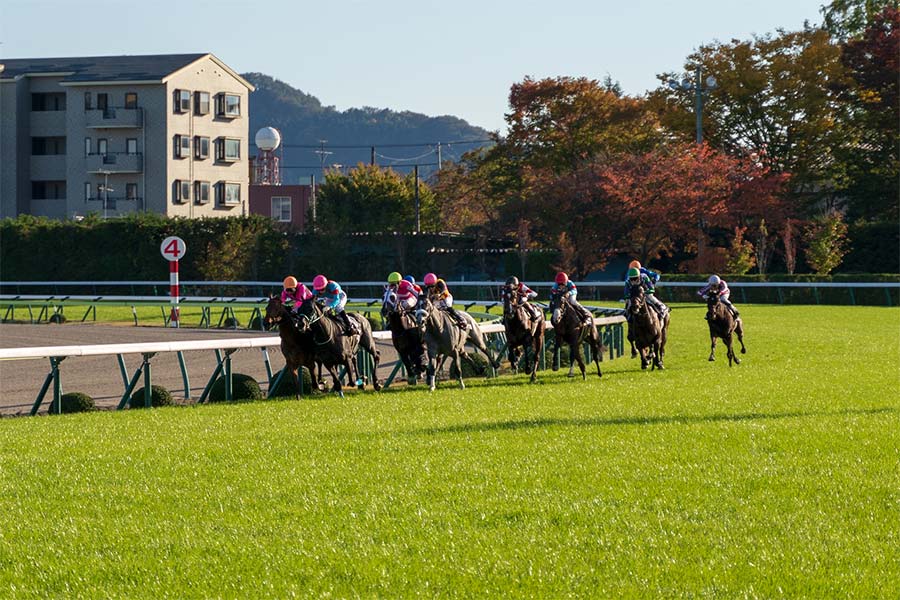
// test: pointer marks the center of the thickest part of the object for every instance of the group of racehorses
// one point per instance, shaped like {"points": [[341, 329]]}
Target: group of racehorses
{"points": [[425, 337]]}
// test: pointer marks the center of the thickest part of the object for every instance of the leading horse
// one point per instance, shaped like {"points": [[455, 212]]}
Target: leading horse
{"points": [[522, 331], [646, 331], [722, 324], [405, 334], [570, 329], [298, 348], [333, 348]]}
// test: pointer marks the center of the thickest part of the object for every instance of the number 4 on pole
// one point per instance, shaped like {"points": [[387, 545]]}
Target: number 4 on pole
{"points": [[173, 249]]}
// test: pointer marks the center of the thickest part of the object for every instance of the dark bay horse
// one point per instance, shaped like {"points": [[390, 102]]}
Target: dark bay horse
{"points": [[444, 338], [570, 329], [522, 332], [405, 334], [334, 349], [297, 348], [723, 325], [645, 329]]}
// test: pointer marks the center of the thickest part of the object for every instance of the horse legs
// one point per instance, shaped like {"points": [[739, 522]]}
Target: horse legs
{"points": [[429, 371], [739, 330], [554, 365], [634, 352], [513, 355], [458, 362], [712, 347], [336, 387], [571, 360], [731, 354], [576, 352]]}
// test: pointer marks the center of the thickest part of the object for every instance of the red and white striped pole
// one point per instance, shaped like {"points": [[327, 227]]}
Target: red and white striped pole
{"points": [[172, 249], [174, 293]]}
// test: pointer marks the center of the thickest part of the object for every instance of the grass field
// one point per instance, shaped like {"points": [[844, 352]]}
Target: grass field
{"points": [[776, 478]]}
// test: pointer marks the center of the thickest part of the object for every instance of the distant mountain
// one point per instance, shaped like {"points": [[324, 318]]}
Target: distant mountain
{"points": [[304, 121]]}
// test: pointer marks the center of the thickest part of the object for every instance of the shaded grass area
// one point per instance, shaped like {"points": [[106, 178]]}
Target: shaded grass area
{"points": [[780, 477]]}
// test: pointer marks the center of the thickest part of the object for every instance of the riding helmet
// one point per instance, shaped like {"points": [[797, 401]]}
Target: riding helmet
{"points": [[634, 265], [290, 282], [632, 272], [394, 277], [512, 281], [410, 279], [430, 279], [714, 280], [562, 278], [319, 283]]}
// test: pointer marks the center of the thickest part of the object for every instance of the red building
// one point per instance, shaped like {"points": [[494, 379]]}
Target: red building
{"points": [[285, 203]]}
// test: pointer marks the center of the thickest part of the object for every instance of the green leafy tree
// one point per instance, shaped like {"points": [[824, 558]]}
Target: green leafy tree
{"points": [[826, 243], [370, 198], [741, 256], [847, 19]]}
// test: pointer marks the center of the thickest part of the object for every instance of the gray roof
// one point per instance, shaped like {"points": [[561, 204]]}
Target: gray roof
{"points": [[153, 67]]}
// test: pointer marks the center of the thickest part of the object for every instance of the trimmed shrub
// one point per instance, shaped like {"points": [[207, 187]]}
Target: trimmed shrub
{"points": [[159, 396], [243, 388], [231, 323], [467, 370], [57, 318], [287, 387], [256, 324], [73, 402]]}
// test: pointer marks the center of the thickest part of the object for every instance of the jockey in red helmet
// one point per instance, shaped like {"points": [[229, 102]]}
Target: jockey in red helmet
{"points": [[565, 289]]}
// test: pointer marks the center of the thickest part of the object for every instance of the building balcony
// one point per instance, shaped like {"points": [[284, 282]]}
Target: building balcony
{"points": [[114, 118], [51, 167], [49, 123], [115, 162], [119, 204]]}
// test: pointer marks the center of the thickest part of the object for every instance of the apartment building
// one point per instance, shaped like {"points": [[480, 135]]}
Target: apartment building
{"points": [[119, 134]]}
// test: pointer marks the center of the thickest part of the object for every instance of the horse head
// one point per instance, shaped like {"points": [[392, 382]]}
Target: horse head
{"points": [[388, 302], [508, 301], [557, 308], [309, 312], [638, 299], [275, 312], [424, 310]]}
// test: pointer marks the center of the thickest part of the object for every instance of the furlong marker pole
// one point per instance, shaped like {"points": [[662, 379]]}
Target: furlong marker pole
{"points": [[173, 292]]}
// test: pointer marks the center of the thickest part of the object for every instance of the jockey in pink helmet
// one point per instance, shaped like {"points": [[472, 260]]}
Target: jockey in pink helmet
{"points": [[565, 289], [329, 294], [440, 296]]}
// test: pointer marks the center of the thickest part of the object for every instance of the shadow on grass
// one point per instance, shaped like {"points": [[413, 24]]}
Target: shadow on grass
{"points": [[638, 420]]}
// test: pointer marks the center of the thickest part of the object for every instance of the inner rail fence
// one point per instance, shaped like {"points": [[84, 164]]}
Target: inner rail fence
{"points": [[882, 293]]}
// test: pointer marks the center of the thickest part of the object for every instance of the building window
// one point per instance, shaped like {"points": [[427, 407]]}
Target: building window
{"points": [[201, 103], [201, 192], [131, 146], [87, 146], [87, 191], [281, 209], [48, 190], [229, 193], [228, 105], [182, 190], [87, 101], [102, 101], [201, 147], [48, 146], [102, 146], [131, 191], [182, 146], [130, 100], [182, 101], [228, 150], [48, 102]]}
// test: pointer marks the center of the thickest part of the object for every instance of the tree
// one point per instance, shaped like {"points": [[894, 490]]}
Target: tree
{"points": [[846, 19], [370, 198], [741, 256], [826, 243]]}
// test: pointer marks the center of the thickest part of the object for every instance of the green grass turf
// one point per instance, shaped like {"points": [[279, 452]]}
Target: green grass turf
{"points": [[776, 478]]}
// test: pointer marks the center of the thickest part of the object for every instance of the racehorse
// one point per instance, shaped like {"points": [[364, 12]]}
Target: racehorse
{"points": [[297, 348], [645, 329], [333, 348], [722, 324], [522, 332], [405, 334], [444, 337], [569, 328]]}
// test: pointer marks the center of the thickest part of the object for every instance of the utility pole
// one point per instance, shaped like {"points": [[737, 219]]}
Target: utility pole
{"points": [[439, 156], [312, 200], [322, 155], [106, 191], [372, 160], [416, 175]]}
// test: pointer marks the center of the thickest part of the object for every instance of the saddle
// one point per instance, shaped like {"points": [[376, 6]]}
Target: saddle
{"points": [[407, 320]]}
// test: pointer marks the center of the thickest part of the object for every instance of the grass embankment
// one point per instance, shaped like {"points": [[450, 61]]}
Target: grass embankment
{"points": [[780, 477]]}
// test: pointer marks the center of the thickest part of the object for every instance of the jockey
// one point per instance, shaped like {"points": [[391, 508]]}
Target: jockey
{"points": [[330, 295], [647, 278], [520, 294], [717, 285], [442, 298], [295, 293], [393, 281], [412, 281], [566, 290], [407, 296]]}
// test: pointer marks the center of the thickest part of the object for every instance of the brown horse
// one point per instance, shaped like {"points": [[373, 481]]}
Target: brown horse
{"points": [[296, 347], [569, 328], [645, 330], [522, 331], [722, 324]]}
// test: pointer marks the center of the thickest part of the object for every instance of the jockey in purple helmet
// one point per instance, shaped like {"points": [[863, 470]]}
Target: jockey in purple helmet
{"points": [[329, 294]]}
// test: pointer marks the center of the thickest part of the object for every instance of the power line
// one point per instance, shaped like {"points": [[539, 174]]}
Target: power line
{"points": [[432, 151], [367, 146]]}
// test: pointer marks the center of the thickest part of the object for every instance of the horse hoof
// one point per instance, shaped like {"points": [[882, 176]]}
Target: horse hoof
{"points": [[712, 359], [633, 354], [554, 368], [431, 389], [377, 386], [743, 351], [340, 394], [643, 367], [737, 361], [571, 375]]}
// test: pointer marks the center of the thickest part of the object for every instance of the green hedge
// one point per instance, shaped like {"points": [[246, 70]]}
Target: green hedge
{"points": [[243, 388], [73, 402], [159, 396]]}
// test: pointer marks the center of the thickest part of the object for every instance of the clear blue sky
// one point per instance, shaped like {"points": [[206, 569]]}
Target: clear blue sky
{"points": [[455, 57]]}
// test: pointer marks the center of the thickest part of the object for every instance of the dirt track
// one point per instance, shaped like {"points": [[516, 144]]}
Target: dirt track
{"points": [[100, 377]]}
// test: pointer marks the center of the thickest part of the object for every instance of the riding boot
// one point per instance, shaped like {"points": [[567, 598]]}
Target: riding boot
{"points": [[460, 320], [586, 317], [661, 309], [349, 328], [735, 313]]}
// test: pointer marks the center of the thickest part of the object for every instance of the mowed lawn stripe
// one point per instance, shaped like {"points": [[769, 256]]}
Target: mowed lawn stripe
{"points": [[778, 477]]}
